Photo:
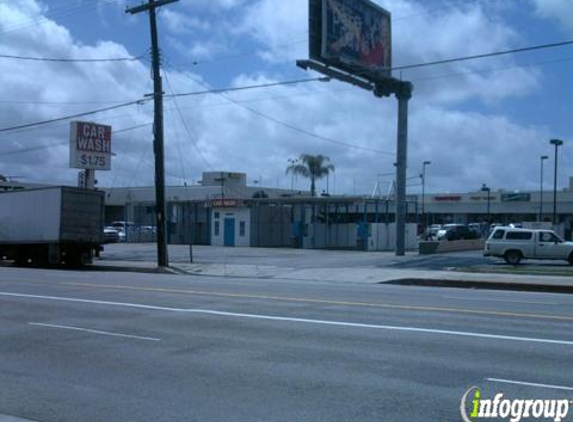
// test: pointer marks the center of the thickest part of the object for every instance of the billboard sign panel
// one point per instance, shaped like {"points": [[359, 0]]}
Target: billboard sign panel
{"points": [[90, 146], [352, 35]]}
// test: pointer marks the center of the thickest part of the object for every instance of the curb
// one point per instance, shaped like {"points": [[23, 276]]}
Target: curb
{"points": [[481, 285]]}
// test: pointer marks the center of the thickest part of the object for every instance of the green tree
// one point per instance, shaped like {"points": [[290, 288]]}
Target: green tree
{"points": [[314, 167]]}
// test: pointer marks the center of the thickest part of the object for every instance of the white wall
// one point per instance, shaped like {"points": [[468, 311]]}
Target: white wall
{"points": [[383, 237], [240, 215], [335, 236]]}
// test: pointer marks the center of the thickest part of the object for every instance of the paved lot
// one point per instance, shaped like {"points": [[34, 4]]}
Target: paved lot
{"points": [[299, 258], [105, 346], [342, 266]]}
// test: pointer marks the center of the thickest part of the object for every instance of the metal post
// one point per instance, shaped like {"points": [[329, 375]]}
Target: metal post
{"points": [[557, 143], [487, 189], [403, 93], [90, 179], [424, 164], [543, 157], [160, 209], [488, 208]]}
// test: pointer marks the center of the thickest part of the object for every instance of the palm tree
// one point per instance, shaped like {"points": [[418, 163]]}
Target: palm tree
{"points": [[312, 166]]}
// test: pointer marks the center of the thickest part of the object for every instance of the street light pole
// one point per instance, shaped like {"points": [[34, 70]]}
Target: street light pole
{"points": [[424, 164], [487, 189], [543, 158], [557, 143]]}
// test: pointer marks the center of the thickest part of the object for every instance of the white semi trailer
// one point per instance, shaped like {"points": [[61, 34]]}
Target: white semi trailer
{"points": [[53, 225]]}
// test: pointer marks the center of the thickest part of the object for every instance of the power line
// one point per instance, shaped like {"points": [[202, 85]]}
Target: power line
{"points": [[258, 52], [186, 127], [292, 127], [56, 144], [73, 116], [176, 135], [68, 60], [58, 12], [285, 124], [498, 69], [485, 55], [243, 88]]}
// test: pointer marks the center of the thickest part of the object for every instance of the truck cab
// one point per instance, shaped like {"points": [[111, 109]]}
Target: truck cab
{"points": [[514, 244]]}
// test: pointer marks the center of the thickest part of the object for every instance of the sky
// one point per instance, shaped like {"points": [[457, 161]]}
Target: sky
{"points": [[485, 121]]}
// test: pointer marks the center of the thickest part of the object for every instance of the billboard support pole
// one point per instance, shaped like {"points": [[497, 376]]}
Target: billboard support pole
{"points": [[90, 179], [403, 93]]}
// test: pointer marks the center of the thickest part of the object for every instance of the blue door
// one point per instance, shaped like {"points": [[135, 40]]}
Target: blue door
{"points": [[229, 232]]}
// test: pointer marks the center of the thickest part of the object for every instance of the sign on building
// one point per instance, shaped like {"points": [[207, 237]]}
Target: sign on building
{"points": [[90, 146], [224, 203], [515, 197], [352, 35]]}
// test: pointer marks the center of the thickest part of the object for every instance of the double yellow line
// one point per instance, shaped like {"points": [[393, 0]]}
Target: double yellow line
{"points": [[326, 302]]}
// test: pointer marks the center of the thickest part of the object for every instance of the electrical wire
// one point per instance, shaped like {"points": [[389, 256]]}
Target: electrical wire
{"points": [[63, 11], [68, 60], [258, 52], [186, 127], [281, 123], [485, 55], [243, 88], [73, 116], [48, 146], [177, 143]]}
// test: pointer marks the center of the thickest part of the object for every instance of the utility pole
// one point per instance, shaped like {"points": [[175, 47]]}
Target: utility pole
{"points": [[160, 208]]}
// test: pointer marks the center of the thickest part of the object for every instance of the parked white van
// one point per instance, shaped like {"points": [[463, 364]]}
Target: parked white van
{"points": [[514, 244]]}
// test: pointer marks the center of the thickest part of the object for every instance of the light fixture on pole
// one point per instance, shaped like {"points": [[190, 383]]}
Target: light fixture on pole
{"points": [[557, 143], [543, 158], [424, 164], [487, 189]]}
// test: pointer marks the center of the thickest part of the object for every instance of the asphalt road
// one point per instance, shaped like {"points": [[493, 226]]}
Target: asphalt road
{"points": [[85, 346]]}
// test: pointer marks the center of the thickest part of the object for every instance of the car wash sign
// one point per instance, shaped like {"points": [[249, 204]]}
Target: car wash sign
{"points": [[90, 146]]}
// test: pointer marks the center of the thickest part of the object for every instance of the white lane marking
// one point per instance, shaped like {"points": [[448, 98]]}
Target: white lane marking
{"points": [[530, 384], [89, 330], [500, 300], [297, 320]]}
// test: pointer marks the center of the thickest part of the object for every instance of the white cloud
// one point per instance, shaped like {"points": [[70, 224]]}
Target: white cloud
{"points": [[559, 10], [419, 35], [180, 23], [464, 146]]}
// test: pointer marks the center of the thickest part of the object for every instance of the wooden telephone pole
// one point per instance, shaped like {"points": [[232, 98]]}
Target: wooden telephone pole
{"points": [[160, 208]]}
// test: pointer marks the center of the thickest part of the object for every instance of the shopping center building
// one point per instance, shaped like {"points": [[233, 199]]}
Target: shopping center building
{"points": [[224, 210]]}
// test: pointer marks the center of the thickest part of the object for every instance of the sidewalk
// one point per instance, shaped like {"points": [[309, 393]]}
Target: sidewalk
{"points": [[370, 275]]}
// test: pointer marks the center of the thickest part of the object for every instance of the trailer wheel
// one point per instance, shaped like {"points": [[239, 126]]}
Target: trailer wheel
{"points": [[512, 257]]}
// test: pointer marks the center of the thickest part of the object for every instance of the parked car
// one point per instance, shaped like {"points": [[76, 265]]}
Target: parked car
{"points": [[513, 245], [111, 235], [477, 228], [455, 232], [460, 232], [432, 231], [123, 227]]}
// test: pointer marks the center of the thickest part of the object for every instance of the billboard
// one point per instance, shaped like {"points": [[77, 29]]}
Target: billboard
{"points": [[90, 146], [352, 35]]}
